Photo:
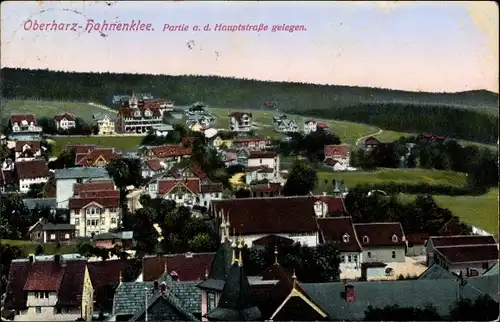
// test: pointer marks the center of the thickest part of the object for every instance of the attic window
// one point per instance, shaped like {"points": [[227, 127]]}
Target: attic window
{"points": [[366, 240], [345, 238], [394, 238]]}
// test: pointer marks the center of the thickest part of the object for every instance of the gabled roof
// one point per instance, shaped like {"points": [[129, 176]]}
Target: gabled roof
{"points": [[468, 253], [45, 276], [436, 271], [441, 241], [336, 150], [106, 154], [239, 115], [40, 203], [322, 125], [46, 225], [32, 169], [168, 151], [153, 164], [34, 146], [170, 300], [334, 229], [188, 267], [106, 273], [269, 215], [334, 204], [128, 112], [380, 234], [263, 155], [67, 116], [105, 202], [165, 186], [82, 173], [18, 118], [100, 185]]}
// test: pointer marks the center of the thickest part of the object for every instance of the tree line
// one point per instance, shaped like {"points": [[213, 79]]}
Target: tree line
{"points": [[467, 124]]}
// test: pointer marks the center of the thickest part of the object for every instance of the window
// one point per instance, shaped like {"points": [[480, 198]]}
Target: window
{"points": [[211, 301], [260, 161], [394, 238], [38, 235], [52, 236], [88, 222], [113, 220], [77, 221], [355, 258], [485, 265], [369, 254], [46, 294], [58, 310], [36, 295], [66, 236], [393, 254], [152, 187], [345, 238], [349, 258], [366, 240], [38, 309]]}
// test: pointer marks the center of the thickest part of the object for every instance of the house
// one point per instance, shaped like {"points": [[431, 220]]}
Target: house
{"points": [[337, 157], [152, 167], [289, 217], [471, 255], [240, 122], [8, 180], [44, 232], [162, 130], [416, 244], [66, 178], [287, 126], [310, 126], [170, 154], [41, 203], [27, 150], [65, 121], [26, 123], [50, 288], [339, 301], [371, 143], [123, 240], [97, 157], [261, 190], [105, 123], [340, 231], [187, 185], [138, 116], [278, 118], [180, 267], [268, 159], [31, 172], [222, 144], [229, 157], [322, 126], [382, 242], [94, 208], [253, 144]]}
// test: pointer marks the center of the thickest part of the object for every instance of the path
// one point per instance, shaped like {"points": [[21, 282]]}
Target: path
{"points": [[107, 109], [380, 131]]}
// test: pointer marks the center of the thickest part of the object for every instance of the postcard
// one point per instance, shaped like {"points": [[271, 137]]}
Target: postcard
{"points": [[249, 160]]}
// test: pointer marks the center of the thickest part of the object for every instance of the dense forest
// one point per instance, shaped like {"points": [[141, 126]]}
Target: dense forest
{"points": [[442, 113]]}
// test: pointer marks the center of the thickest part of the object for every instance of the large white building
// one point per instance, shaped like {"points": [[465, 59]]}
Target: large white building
{"points": [[240, 122], [262, 165], [139, 116], [31, 172]]}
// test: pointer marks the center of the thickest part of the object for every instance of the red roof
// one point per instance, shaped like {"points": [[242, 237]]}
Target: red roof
{"points": [[165, 186], [90, 158], [103, 202], [167, 151], [380, 234], [188, 267], [263, 155], [462, 240], [269, 215], [272, 240], [18, 118], [269, 187], [104, 273], [239, 115], [468, 253], [67, 116], [100, 185], [335, 204], [46, 276], [31, 169], [211, 187], [417, 238], [333, 229], [451, 228], [154, 164], [322, 125], [336, 150], [34, 146], [79, 149], [99, 194], [128, 112]]}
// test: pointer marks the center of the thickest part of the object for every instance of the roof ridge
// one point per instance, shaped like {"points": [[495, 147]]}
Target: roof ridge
{"points": [[466, 245], [459, 236], [378, 223]]}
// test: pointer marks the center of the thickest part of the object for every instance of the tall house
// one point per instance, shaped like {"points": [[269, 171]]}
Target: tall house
{"points": [[66, 178], [240, 122], [140, 115]]}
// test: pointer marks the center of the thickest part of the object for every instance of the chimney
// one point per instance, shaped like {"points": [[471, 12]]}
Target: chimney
{"points": [[156, 286], [163, 288], [350, 293]]}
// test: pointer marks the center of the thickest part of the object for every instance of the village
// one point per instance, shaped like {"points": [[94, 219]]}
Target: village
{"points": [[231, 181]]}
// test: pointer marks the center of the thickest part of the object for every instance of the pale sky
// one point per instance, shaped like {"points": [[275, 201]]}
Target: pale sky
{"points": [[425, 46]]}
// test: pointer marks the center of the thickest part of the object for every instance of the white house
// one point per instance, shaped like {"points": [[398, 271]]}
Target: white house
{"points": [[31, 172], [240, 122], [162, 130], [262, 165], [310, 126], [287, 126], [27, 150], [65, 121], [337, 157], [66, 178], [255, 219], [24, 123], [382, 242], [105, 124]]}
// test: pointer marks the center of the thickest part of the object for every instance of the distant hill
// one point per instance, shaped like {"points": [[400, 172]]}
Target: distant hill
{"points": [[220, 91]]}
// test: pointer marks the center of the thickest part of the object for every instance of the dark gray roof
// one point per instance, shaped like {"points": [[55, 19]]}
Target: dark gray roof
{"points": [[129, 297], [81, 172], [493, 270], [107, 236], [486, 284], [441, 293], [40, 203], [220, 268], [47, 225], [436, 271], [172, 300]]}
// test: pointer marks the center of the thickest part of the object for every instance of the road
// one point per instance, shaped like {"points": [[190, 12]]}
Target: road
{"points": [[380, 131], [105, 108]]}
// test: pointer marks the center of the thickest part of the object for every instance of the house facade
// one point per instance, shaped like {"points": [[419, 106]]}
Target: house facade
{"points": [[169, 154], [337, 157], [105, 124], [371, 143], [240, 122], [24, 123], [381, 242], [253, 144], [96, 157], [50, 288], [138, 116], [152, 167], [44, 232], [287, 126], [27, 150], [31, 172], [67, 178], [310, 126], [65, 121]]}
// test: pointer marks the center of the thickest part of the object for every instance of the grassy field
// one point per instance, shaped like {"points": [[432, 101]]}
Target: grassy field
{"points": [[480, 211], [348, 132], [29, 247], [50, 109], [409, 176], [122, 143], [390, 136]]}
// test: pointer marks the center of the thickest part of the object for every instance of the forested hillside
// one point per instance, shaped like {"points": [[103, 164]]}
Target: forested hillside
{"points": [[454, 114]]}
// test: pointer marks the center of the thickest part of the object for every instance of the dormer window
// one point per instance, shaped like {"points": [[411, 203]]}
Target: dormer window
{"points": [[394, 238], [137, 113], [345, 238], [366, 240]]}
